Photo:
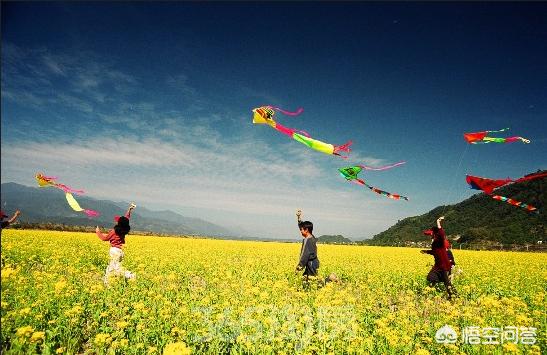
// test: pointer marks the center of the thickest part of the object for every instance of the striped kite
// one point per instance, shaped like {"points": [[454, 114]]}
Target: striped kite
{"points": [[489, 185], [483, 138], [350, 173], [265, 115], [45, 181]]}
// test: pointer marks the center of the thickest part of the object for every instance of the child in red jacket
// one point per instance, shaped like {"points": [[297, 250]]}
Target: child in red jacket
{"points": [[116, 237]]}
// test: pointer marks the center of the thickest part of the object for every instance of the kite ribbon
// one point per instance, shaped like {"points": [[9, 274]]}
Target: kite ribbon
{"points": [[288, 113], [288, 131], [387, 194], [323, 147], [515, 203], [76, 206], [378, 191], [385, 167], [502, 140]]}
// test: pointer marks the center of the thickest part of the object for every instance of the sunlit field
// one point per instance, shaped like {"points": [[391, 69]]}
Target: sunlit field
{"points": [[216, 296]]}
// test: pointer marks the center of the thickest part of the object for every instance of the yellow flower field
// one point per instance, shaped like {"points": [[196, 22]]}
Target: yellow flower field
{"points": [[214, 296]]}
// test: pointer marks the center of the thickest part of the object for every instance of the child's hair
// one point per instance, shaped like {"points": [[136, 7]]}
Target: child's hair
{"points": [[306, 225], [122, 228]]}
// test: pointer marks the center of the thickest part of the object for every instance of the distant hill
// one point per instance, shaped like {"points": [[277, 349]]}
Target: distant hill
{"points": [[48, 205], [334, 239], [480, 220]]}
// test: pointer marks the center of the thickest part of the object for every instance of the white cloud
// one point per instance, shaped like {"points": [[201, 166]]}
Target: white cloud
{"points": [[229, 185], [78, 81], [180, 83], [53, 65]]}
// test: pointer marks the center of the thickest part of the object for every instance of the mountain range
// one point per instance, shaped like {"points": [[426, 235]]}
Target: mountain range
{"points": [[38, 206], [478, 220]]}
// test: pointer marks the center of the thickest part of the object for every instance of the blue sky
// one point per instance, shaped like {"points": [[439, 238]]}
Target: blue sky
{"points": [[151, 102]]}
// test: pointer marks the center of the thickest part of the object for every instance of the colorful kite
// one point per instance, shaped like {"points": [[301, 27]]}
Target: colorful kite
{"points": [[45, 181], [489, 185], [482, 137], [265, 115], [350, 173]]}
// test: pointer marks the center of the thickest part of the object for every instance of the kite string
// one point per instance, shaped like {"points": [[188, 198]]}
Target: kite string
{"points": [[457, 172], [473, 163]]}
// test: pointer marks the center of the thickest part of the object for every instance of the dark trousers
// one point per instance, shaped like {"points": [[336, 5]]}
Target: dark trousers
{"points": [[311, 267], [450, 256], [436, 276]]}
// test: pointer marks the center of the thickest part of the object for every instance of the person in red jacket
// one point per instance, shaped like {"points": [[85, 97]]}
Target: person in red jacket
{"points": [[116, 237], [443, 265]]}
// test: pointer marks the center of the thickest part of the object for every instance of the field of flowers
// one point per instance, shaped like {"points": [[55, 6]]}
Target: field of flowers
{"points": [[214, 296]]}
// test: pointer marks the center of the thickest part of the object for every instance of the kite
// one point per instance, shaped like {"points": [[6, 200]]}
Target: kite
{"points": [[45, 181], [489, 185], [350, 173], [265, 115], [483, 138], [50, 181]]}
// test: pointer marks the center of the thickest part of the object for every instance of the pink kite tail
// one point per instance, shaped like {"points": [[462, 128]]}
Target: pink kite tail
{"points": [[288, 113], [49, 177], [386, 167], [285, 130], [91, 213], [342, 148], [289, 131], [69, 190]]}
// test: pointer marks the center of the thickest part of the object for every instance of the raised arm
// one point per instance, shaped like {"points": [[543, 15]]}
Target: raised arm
{"points": [[439, 222], [101, 236], [14, 217], [298, 216], [131, 208]]}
